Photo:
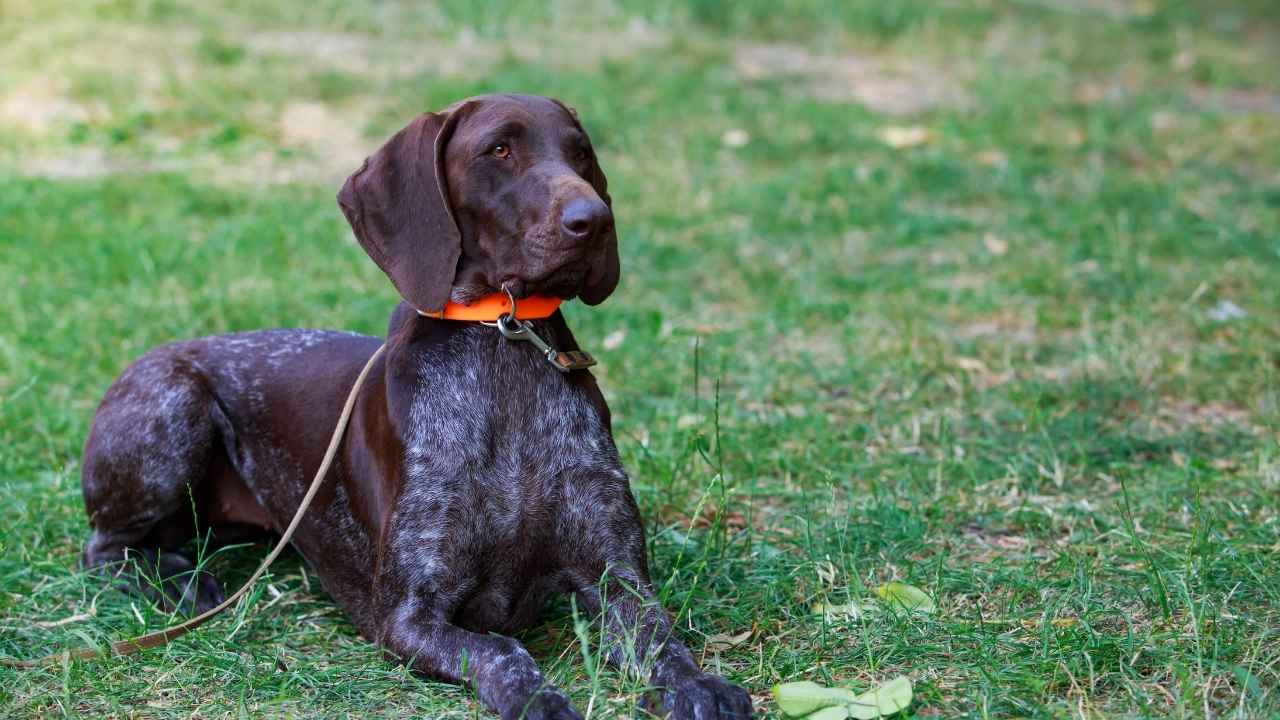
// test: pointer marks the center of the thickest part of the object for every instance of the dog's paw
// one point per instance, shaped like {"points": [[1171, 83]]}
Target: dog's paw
{"points": [[546, 705], [706, 697]]}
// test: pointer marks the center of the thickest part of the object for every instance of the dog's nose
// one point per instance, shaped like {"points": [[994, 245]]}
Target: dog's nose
{"points": [[584, 218]]}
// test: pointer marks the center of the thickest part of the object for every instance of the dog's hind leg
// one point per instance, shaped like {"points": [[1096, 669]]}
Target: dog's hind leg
{"points": [[150, 445], [168, 578]]}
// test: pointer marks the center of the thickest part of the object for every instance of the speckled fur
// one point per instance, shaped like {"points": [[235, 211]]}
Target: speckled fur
{"points": [[501, 474]]}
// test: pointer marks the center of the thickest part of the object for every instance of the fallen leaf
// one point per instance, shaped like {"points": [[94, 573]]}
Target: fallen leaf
{"points": [[613, 340], [992, 158], [852, 610], [1010, 542], [1227, 310], [720, 642], [815, 702], [900, 137], [827, 572], [711, 515], [887, 699], [906, 596], [735, 138], [1059, 623], [801, 698], [995, 245], [969, 364], [684, 422]]}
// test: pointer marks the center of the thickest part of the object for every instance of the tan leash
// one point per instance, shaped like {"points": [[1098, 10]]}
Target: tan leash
{"points": [[162, 637]]}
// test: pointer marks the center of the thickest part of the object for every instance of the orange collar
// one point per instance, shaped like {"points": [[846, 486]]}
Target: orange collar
{"points": [[490, 307]]}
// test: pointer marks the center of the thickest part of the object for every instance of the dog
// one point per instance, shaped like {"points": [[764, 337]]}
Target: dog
{"points": [[475, 479]]}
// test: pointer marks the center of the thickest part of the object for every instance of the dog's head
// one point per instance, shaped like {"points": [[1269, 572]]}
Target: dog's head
{"points": [[493, 191]]}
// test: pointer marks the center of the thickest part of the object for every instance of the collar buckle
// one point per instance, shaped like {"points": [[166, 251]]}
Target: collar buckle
{"points": [[515, 329]]}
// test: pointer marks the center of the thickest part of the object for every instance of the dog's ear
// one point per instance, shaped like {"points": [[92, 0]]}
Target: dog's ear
{"points": [[398, 207], [605, 270]]}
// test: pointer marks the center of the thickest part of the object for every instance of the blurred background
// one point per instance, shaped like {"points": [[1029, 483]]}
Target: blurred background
{"points": [[976, 294]]}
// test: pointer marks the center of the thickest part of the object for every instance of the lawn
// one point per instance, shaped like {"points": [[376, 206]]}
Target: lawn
{"points": [[977, 295]]}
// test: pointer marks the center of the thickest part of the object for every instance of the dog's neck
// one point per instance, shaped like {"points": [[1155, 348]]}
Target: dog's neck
{"points": [[410, 332], [489, 308]]}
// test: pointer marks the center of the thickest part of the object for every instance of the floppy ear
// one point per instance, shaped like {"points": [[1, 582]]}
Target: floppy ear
{"points": [[606, 270], [397, 205]]}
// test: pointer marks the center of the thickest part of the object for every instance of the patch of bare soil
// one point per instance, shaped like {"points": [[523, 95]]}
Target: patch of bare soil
{"points": [[329, 45], [39, 104], [367, 55], [586, 50], [74, 165], [330, 137], [1005, 326], [1179, 414], [42, 101], [463, 54], [325, 142], [889, 85]]}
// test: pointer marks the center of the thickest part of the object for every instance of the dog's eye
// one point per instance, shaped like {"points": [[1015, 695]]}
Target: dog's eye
{"points": [[502, 151], [580, 155]]}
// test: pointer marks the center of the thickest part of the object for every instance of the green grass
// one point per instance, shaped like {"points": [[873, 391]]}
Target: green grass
{"points": [[987, 365]]}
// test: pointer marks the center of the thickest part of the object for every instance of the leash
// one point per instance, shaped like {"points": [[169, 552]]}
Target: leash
{"points": [[167, 635]]}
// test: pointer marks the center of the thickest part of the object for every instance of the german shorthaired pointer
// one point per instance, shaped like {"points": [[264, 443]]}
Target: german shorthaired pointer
{"points": [[474, 480]]}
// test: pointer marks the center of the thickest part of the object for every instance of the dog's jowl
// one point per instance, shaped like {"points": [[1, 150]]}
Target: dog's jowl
{"points": [[475, 478]]}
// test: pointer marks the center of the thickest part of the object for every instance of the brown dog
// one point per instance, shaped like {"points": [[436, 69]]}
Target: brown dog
{"points": [[475, 478]]}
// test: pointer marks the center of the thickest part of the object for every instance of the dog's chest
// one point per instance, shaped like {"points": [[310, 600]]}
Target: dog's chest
{"points": [[502, 452]]}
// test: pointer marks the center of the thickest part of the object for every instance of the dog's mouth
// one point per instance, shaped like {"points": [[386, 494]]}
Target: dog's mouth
{"points": [[567, 280], [564, 281]]}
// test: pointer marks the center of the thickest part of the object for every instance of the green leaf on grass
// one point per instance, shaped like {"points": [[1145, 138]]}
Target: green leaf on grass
{"points": [[852, 610], [815, 702], [908, 597], [887, 699], [798, 699]]}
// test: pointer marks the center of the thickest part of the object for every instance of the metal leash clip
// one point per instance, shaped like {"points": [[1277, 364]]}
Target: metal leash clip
{"points": [[513, 328]]}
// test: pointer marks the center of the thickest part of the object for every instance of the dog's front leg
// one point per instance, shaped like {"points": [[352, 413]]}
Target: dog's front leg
{"points": [[638, 634], [500, 670]]}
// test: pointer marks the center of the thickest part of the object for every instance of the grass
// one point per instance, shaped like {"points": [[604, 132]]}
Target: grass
{"points": [[1001, 364]]}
